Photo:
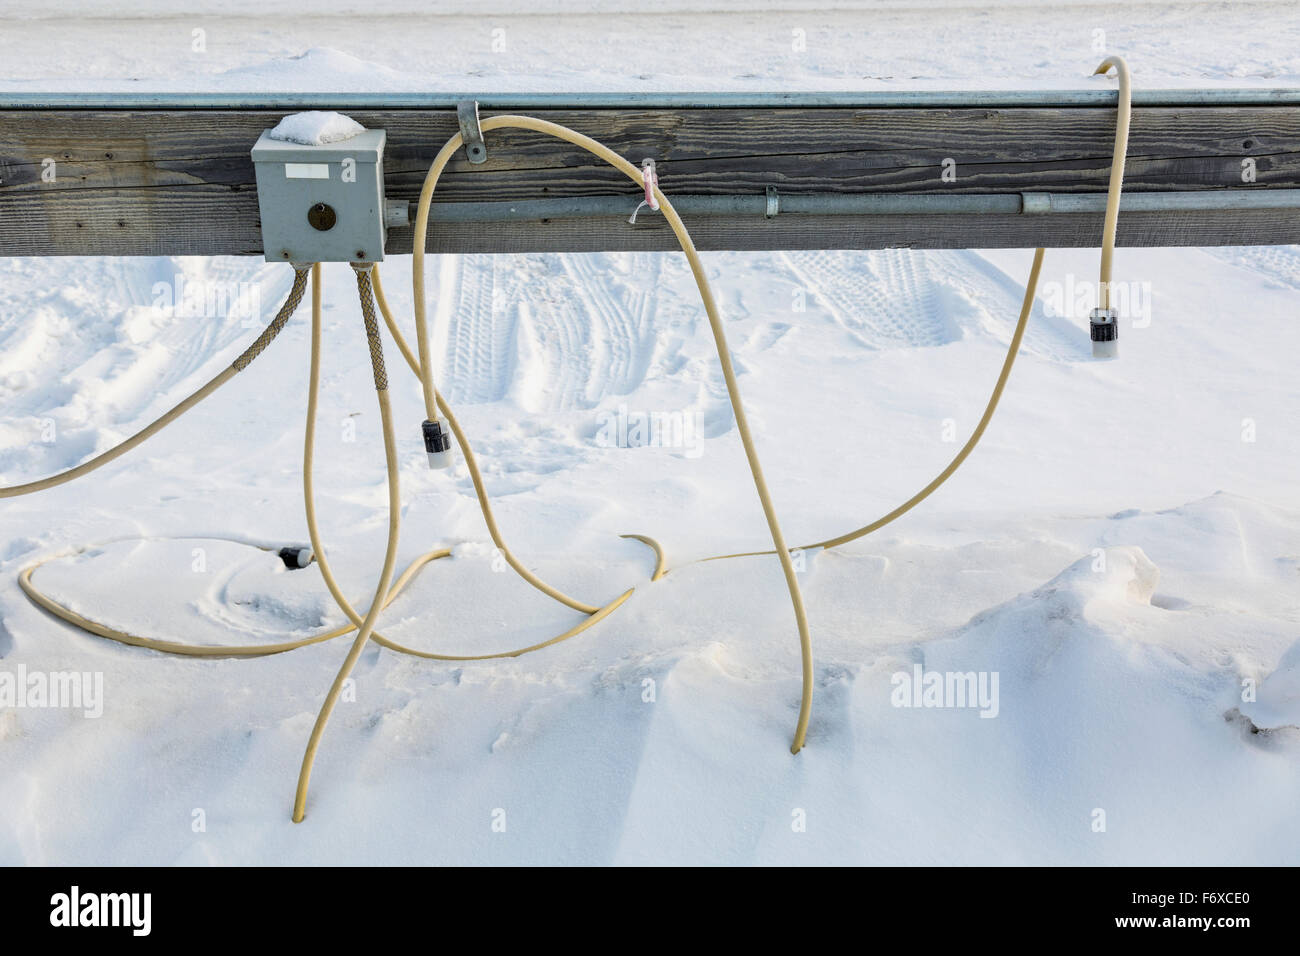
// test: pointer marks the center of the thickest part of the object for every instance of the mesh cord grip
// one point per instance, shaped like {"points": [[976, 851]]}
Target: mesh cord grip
{"points": [[367, 291], [271, 331]]}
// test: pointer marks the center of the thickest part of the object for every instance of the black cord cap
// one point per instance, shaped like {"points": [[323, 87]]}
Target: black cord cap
{"points": [[438, 444], [295, 558], [1103, 327]]}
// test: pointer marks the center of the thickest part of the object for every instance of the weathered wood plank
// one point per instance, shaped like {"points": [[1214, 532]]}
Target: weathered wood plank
{"points": [[131, 182]]}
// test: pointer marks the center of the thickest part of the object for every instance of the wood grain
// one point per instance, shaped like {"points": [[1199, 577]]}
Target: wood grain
{"points": [[181, 182]]}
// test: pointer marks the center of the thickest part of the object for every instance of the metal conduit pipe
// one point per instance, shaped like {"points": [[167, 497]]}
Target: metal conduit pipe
{"points": [[863, 204]]}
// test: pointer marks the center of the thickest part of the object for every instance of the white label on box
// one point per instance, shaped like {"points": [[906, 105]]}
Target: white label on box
{"points": [[307, 170]]}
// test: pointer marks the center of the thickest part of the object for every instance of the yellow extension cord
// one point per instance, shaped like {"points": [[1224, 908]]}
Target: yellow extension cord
{"points": [[1117, 160], [719, 337], [421, 365]]}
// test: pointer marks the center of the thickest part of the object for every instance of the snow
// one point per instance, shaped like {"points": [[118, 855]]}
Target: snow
{"points": [[316, 128], [1122, 551], [684, 45]]}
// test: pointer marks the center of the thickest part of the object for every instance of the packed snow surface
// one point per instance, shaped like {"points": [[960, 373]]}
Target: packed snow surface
{"points": [[1085, 648]]}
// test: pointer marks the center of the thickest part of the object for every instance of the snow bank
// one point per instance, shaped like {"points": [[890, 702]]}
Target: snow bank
{"points": [[1278, 704]]}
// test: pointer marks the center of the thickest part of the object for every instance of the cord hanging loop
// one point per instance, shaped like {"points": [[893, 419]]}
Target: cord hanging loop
{"points": [[651, 179]]}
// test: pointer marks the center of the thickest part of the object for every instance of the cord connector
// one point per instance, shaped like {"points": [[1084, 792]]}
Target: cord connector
{"points": [[295, 558], [437, 443], [1104, 328]]}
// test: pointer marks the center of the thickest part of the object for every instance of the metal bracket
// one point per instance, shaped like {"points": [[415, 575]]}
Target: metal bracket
{"points": [[397, 213], [470, 131], [773, 203]]}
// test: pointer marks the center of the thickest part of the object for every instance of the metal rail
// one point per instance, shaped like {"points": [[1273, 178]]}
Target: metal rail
{"points": [[903, 99]]}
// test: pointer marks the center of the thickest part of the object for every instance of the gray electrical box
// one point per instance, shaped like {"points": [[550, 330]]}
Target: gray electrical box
{"points": [[321, 203]]}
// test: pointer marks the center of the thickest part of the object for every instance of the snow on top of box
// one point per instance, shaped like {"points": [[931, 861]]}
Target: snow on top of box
{"points": [[316, 128]]}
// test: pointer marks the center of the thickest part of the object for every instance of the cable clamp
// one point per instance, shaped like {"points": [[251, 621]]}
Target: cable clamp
{"points": [[397, 213], [650, 179], [470, 131], [773, 203]]}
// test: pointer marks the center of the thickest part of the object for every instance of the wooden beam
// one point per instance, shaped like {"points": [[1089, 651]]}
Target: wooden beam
{"points": [[180, 182]]}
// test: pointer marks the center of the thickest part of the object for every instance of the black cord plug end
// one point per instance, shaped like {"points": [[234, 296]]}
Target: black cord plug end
{"points": [[438, 445]]}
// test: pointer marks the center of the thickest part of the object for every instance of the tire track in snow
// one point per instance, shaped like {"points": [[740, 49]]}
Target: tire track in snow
{"points": [[555, 332], [481, 338], [899, 298], [622, 318], [883, 299], [1279, 263]]}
